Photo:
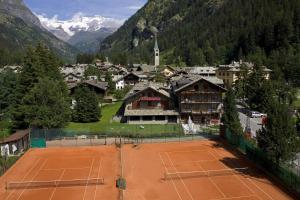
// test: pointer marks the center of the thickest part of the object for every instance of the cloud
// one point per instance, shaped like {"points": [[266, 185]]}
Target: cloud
{"points": [[133, 7]]}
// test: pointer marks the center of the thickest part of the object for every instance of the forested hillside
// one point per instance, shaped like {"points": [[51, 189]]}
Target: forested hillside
{"points": [[19, 29], [198, 32]]}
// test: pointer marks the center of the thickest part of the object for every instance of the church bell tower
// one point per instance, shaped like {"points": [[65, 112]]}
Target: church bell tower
{"points": [[156, 53]]}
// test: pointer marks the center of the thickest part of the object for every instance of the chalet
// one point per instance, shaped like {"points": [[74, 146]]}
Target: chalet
{"points": [[199, 98], [119, 82], [13, 68], [133, 78], [72, 78], [151, 105], [99, 87]]}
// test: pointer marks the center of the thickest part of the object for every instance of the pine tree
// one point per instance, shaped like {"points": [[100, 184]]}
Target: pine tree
{"points": [[231, 117], [108, 79], [39, 63], [278, 138], [47, 104], [87, 105]]}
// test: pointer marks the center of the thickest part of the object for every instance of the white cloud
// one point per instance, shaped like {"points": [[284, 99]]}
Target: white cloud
{"points": [[133, 7]]}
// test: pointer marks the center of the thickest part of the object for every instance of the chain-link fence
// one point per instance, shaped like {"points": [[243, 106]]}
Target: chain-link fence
{"points": [[289, 175], [60, 137]]}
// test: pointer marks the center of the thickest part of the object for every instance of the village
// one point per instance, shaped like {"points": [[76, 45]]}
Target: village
{"points": [[155, 94]]}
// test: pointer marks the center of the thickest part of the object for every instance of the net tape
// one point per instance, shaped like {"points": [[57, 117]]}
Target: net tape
{"points": [[54, 183], [209, 173]]}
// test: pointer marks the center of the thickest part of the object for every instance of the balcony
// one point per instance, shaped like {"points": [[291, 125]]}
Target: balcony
{"points": [[146, 108]]}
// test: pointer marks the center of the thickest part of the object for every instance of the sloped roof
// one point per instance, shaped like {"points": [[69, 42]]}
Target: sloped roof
{"points": [[190, 80], [16, 136], [95, 83]]}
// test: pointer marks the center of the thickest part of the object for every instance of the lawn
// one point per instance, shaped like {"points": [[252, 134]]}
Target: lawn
{"points": [[107, 127]]}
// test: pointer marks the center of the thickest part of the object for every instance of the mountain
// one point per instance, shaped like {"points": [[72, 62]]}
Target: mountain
{"points": [[207, 32], [20, 28], [83, 32]]}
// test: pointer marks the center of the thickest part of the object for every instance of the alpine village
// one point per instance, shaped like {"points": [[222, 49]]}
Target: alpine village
{"points": [[176, 99]]}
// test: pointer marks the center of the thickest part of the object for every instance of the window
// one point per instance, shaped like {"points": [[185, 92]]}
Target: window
{"points": [[156, 54], [160, 118], [147, 118], [196, 87]]}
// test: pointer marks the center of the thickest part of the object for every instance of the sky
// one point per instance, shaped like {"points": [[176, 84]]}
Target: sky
{"points": [[65, 9]]}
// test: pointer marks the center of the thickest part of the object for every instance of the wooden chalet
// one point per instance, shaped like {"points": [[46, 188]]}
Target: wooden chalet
{"points": [[151, 105], [199, 98]]}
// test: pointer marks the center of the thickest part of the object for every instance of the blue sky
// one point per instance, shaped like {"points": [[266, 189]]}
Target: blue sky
{"points": [[65, 9]]}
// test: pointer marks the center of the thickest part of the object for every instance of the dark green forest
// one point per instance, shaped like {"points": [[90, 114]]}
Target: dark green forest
{"points": [[210, 32]]}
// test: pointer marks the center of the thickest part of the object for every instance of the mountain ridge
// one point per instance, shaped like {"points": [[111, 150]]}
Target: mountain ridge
{"points": [[20, 28]]}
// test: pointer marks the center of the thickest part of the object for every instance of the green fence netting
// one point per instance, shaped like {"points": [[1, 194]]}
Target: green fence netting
{"points": [[288, 176]]}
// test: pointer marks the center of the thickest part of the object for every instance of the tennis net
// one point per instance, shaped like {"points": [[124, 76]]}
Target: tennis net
{"points": [[208, 173], [53, 183]]}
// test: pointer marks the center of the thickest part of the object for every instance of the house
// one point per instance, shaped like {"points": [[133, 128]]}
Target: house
{"points": [[119, 81], [71, 78], [14, 68], [232, 72], [99, 87], [73, 73], [15, 143], [133, 78], [203, 71], [199, 98], [151, 104]]}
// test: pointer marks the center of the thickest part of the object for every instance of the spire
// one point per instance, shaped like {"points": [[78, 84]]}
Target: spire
{"points": [[156, 44]]}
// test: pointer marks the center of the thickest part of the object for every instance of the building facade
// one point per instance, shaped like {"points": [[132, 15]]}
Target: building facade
{"points": [[233, 72], [150, 106], [199, 98]]}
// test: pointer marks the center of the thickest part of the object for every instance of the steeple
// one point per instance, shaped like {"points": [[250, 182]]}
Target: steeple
{"points": [[156, 44], [156, 53]]}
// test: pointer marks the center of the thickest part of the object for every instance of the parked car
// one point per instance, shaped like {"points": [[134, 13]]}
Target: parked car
{"points": [[255, 114]]}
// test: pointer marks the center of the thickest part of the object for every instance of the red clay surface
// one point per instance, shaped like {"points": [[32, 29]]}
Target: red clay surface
{"points": [[144, 168], [64, 164]]}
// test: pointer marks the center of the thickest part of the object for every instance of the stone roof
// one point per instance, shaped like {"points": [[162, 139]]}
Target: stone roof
{"points": [[188, 80], [94, 83], [159, 87]]}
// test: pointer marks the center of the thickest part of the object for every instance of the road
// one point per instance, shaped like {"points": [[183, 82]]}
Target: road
{"points": [[255, 123]]}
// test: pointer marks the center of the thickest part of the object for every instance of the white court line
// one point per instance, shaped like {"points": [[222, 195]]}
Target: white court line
{"points": [[188, 191], [174, 185], [219, 189], [88, 177], [54, 190], [33, 166], [34, 176], [186, 151], [243, 182], [260, 188], [59, 169], [228, 198], [98, 177]]}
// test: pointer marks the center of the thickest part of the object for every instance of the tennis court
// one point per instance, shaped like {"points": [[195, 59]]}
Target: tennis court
{"points": [[63, 173], [193, 170]]}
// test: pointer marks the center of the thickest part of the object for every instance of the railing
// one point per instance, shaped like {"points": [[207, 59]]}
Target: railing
{"points": [[146, 108]]}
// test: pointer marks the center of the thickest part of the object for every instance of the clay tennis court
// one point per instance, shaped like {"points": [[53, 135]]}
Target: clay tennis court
{"points": [[195, 170], [65, 164]]}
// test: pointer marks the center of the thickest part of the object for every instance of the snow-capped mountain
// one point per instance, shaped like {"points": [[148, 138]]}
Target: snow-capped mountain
{"points": [[83, 32], [65, 29]]}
